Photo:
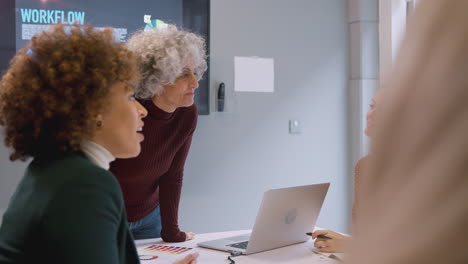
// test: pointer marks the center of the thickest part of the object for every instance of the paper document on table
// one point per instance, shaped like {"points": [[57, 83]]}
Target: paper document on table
{"points": [[254, 74], [334, 257], [161, 254]]}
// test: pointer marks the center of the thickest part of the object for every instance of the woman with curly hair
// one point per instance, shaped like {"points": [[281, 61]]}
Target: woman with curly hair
{"points": [[172, 62], [67, 101]]}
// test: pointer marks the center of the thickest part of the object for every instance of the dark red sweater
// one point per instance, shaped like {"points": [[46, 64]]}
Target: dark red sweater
{"points": [[155, 176]]}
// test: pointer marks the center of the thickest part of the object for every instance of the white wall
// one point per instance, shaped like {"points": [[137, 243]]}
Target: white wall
{"points": [[392, 27], [238, 155]]}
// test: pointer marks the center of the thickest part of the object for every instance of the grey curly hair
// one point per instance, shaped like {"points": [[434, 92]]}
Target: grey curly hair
{"points": [[163, 55]]}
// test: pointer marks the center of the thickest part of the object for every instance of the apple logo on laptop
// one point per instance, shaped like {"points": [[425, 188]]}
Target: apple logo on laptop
{"points": [[291, 216]]}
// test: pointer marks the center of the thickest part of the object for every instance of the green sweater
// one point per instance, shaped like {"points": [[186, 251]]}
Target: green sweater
{"points": [[66, 210]]}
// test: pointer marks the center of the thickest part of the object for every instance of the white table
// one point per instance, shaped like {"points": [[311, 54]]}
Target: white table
{"points": [[298, 254]]}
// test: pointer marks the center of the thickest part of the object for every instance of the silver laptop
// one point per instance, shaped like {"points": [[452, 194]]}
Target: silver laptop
{"points": [[284, 218]]}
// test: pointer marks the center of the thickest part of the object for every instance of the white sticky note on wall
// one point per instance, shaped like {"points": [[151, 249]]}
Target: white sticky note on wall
{"points": [[254, 74]]}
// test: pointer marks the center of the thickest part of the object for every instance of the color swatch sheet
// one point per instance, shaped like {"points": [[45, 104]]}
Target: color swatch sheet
{"points": [[161, 254]]}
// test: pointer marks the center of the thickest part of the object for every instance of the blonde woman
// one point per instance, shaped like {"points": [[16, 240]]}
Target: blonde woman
{"points": [[331, 241], [413, 208]]}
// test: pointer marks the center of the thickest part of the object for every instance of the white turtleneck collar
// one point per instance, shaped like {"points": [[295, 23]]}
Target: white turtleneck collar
{"points": [[97, 154]]}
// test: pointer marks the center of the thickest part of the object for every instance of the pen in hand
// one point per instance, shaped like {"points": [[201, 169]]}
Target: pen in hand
{"points": [[319, 236]]}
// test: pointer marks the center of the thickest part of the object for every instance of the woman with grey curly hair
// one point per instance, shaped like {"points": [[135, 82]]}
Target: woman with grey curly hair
{"points": [[172, 62]]}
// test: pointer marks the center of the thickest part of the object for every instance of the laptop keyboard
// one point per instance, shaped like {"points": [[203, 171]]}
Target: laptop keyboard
{"points": [[241, 245]]}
